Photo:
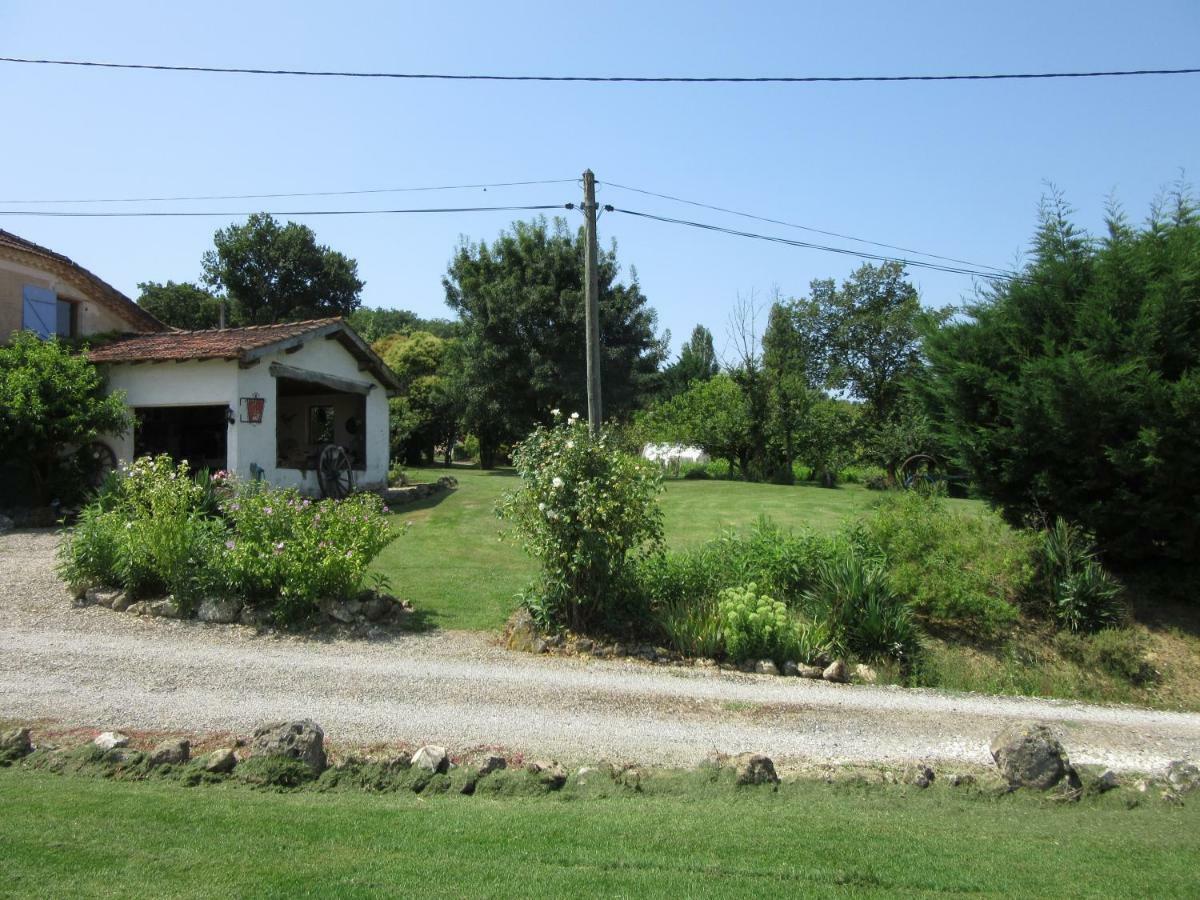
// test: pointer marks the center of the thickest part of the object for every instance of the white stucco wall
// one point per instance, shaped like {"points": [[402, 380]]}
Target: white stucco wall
{"points": [[211, 382]]}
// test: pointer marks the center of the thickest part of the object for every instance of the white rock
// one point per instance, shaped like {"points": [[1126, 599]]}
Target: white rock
{"points": [[431, 758], [110, 740]]}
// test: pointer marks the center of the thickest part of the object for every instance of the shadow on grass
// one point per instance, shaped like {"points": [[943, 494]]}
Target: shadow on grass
{"points": [[400, 509]]}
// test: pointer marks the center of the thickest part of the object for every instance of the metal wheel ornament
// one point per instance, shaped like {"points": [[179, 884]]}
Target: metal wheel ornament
{"points": [[918, 471], [102, 460], [334, 472]]}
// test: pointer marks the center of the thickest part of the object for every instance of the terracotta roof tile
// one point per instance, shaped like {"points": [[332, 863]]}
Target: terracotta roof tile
{"points": [[213, 343]]}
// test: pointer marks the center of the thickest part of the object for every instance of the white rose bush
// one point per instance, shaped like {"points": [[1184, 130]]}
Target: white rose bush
{"points": [[586, 511]]}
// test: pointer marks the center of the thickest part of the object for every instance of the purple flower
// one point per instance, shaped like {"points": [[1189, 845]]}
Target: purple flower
{"points": [[229, 545], [266, 510]]}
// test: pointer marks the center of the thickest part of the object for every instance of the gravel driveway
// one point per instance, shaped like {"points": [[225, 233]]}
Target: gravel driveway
{"points": [[92, 667]]}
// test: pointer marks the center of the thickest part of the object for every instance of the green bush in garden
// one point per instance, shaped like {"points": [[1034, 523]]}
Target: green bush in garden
{"points": [[964, 571], [154, 529], [865, 615], [1080, 595], [288, 552], [754, 625], [585, 511]]}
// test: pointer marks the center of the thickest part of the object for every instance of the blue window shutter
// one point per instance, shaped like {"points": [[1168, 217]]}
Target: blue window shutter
{"points": [[41, 311]]}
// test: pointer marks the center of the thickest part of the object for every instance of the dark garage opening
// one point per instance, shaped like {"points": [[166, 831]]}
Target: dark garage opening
{"points": [[195, 433]]}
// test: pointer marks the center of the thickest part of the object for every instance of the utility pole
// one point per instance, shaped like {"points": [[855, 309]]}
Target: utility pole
{"points": [[591, 288]]}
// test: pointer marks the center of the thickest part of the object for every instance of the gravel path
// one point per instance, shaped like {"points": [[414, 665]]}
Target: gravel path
{"points": [[92, 667]]}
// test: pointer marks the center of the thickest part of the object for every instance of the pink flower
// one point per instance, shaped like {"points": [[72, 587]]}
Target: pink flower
{"points": [[266, 510]]}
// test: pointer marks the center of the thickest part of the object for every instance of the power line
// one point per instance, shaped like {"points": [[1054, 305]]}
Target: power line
{"points": [[642, 79], [846, 237], [396, 190], [956, 270], [64, 214]]}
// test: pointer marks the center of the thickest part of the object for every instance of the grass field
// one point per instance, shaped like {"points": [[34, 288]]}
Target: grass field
{"points": [[72, 836], [458, 573]]}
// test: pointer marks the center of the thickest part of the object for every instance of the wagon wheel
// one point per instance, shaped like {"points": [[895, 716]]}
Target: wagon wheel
{"points": [[101, 461], [334, 472], [917, 470]]}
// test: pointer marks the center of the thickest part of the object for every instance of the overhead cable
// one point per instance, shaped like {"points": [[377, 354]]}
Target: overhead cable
{"points": [[395, 190], [846, 237], [643, 79], [136, 214], [937, 267]]}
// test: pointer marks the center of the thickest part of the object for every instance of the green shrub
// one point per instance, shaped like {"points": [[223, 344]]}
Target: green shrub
{"points": [[783, 563], [754, 625], [1082, 596], [694, 472], [289, 553], [966, 571], [692, 625], [153, 530], [865, 616], [1121, 652], [584, 510]]}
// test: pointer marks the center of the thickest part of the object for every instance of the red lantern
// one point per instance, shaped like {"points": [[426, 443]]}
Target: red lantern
{"points": [[252, 409]]}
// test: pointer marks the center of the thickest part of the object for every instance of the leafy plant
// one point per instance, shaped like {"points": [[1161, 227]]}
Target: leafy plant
{"points": [[864, 614], [961, 571], [155, 529], [1118, 651], [692, 626], [1082, 595], [584, 510], [53, 400], [754, 625]]}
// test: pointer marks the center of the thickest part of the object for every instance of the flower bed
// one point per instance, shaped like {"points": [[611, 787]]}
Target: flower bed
{"points": [[156, 530]]}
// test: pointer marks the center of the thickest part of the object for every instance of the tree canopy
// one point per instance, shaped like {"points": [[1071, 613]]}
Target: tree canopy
{"points": [[279, 273], [54, 402], [697, 362], [1074, 390], [521, 304], [181, 305]]}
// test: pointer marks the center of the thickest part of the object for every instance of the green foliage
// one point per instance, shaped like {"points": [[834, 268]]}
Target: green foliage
{"points": [[149, 534], [155, 530], [711, 414], [429, 410], [183, 305], [279, 273], [691, 624], [1080, 594], [1121, 652], [53, 400], [1075, 390], [289, 553], [754, 626], [375, 323], [521, 304], [583, 510], [697, 362], [865, 615], [958, 570]]}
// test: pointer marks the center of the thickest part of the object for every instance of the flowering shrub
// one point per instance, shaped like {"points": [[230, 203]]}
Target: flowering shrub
{"points": [[755, 626], [148, 533], [154, 529], [584, 510], [290, 552]]}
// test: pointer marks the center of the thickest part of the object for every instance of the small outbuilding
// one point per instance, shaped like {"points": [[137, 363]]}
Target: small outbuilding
{"points": [[298, 404]]}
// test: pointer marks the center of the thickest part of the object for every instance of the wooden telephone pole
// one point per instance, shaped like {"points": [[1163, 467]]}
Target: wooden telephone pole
{"points": [[591, 287]]}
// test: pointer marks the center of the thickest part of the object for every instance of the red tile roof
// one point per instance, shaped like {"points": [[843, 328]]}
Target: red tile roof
{"points": [[246, 345], [104, 293], [212, 343]]}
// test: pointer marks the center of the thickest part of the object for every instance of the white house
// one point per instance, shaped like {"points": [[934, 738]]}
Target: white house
{"points": [[260, 401]]}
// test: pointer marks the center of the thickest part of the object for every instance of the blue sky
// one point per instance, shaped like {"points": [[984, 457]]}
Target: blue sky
{"points": [[955, 169]]}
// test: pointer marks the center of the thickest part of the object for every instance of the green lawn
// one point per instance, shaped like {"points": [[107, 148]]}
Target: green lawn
{"points": [[458, 574], [72, 836]]}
